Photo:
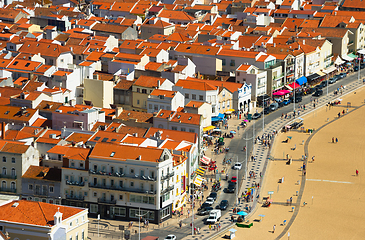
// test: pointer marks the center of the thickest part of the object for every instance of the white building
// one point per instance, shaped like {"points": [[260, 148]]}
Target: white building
{"points": [[164, 99]]}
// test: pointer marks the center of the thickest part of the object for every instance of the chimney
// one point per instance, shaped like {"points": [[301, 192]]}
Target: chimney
{"points": [[274, 44], [158, 83], [303, 41]]}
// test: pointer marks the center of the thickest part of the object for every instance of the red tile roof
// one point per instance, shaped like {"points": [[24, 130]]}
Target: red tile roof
{"points": [[35, 213]]}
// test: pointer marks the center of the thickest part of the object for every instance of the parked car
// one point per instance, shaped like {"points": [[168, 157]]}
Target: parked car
{"points": [[267, 110], [281, 104], [256, 116], [223, 205], [205, 211], [286, 101], [297, 99], [203, 206], [237, 166], [318, 93], [362, 65], [332, 79], [342, 75], [231, 187], [213, 195], [209, 201], [234, 179], [324, 83], [296, 125], [273, 106]]}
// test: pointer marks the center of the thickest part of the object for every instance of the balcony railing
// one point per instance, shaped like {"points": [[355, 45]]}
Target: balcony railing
{"points": [[118, 188], [81, 184], [168, 189], [104, 200], [9, 190], [168, 175], [279, 76], [8, 176], [74, 197], [122, 175], [41, 193]]}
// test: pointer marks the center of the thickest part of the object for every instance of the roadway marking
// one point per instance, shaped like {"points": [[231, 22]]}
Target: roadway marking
{"points": [[320, 180]]}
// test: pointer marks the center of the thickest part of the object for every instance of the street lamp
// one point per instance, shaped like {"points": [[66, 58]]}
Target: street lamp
{"points": [[139, 218]]}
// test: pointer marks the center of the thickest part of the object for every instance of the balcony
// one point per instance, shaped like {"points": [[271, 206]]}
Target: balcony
{"points": [[81, 184], [279, 76], [168, 189], [288, 72], [74, 197], [122, 175], [8, 190], [8, 176], [118, 188], [328, 57], [167, 176], [40, 193], [104, 200]]}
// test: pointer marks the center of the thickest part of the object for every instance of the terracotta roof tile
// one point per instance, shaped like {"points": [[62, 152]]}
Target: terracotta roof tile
{"points": [[43, 173], [148, 81], [172, 134], [139, 116], [75, 153]]}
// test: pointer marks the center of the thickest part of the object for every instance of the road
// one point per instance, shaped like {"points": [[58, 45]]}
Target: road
{"points": [[236, 153]]}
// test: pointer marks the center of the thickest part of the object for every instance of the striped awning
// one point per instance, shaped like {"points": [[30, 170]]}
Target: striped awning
{"points": [[198, 180], [205, 160], [200, 171]]}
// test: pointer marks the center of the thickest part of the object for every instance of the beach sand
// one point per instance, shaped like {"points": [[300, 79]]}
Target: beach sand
{"points": [[336, 210]]}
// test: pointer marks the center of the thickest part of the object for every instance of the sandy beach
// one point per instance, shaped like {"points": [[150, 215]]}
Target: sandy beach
{"points": [[333, 194]]}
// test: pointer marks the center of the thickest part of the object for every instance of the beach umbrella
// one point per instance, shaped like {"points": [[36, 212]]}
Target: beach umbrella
{"points": [[242, 213], [245, 120], [289, 137], [233, 132]]}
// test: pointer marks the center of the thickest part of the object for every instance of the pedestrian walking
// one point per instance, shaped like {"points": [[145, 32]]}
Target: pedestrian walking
{"points": [[313, 159], [333, 140], [336, 140], [210, 227], [291, 200], [273, 228], [357, 172], [180, 224]]}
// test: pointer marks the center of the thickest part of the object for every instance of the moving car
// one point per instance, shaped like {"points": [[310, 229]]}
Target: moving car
{"points": [[231, 187], [256, 116], [281, 104], [324, 83], [237, 166], [223, 205], [205, 211], [216, 187], [170, 237], [342, 75], [234, 179], [332, 79]]}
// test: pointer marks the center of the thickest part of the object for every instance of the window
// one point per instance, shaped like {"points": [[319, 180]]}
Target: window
{"points": [[132, 184], [13, 173], [223, 62], [187, 95], [121, 184], [12, 185], [93, 208], [142, 186], [72, 164], [95, 194], [141, 199], [165, 212], [144, 91], [13, 160], [81, 165], [174, 128], [134, 213], [30, 187], [132, 171], [120, 197], [191, 130], [138, 90], [193, 96], [51, 189], [119, 211], [4, 159], [137, 101], [149, 106], [201, 98], [183, 129], [4, 171], [120, 170], [82, 235], [233, 63]]}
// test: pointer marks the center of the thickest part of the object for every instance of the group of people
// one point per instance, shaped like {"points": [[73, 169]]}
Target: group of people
{"points": [[334, 139]]}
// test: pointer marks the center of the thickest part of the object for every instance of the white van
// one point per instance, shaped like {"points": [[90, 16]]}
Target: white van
{"points": [[214, 216]]}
